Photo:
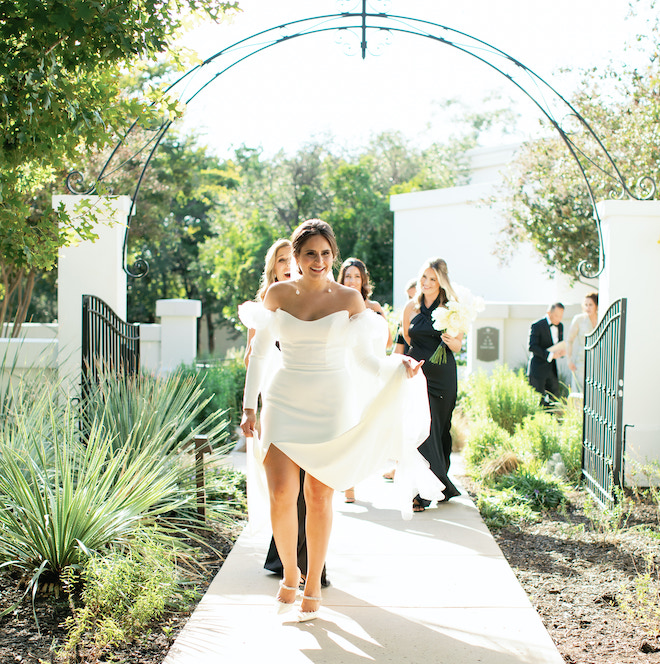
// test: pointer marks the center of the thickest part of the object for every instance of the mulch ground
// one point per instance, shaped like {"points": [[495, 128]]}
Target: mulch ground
{"points": [[574, 574], [21, 640]]}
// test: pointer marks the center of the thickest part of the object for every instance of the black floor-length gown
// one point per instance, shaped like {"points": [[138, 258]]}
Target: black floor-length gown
{"points": [[442, 388]]}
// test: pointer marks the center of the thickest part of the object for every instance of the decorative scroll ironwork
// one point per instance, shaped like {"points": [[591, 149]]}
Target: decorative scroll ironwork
{"points": [[108, 344], [602, 438], [365, 19]]}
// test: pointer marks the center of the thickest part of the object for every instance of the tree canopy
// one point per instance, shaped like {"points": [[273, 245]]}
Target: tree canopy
{"points": [[60, 94], [349, 190], [544, 196]]}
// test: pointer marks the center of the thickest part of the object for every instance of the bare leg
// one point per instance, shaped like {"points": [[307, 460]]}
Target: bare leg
{"points": [[284, 485], [318, 497]]}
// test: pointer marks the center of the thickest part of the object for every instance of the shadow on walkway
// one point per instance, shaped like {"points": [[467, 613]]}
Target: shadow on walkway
{"points": [[435, 589]]}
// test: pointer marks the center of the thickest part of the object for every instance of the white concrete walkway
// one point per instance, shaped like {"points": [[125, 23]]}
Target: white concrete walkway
{"points": [[434, 590]]}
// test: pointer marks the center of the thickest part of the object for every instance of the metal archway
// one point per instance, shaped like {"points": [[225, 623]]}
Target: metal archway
{"points": [[354, 26]]}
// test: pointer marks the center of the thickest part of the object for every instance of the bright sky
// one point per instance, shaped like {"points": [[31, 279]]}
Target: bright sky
{"points": [[306, 87]]}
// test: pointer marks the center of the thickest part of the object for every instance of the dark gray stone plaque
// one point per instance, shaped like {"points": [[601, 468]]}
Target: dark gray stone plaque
{"points": [[488, 344]]}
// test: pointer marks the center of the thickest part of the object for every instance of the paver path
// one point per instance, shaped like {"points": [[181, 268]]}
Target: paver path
{"points": [[435, 589]]}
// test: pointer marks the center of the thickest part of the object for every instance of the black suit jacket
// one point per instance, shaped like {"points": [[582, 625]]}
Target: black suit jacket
{"points": [[540, 339]]}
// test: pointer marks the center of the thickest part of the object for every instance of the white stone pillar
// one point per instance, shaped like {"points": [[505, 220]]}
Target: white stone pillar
{"points": [[178, 319], [93, 268], [631, 236]]}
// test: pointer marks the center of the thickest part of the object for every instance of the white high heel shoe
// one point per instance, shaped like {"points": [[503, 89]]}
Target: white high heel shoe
{"points": [[304, 616], [283, 607]]}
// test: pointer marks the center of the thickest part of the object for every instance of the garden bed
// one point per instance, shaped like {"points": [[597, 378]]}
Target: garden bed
{"points": [[573, 573], [591, 574], [576, 574], [21, 641]]}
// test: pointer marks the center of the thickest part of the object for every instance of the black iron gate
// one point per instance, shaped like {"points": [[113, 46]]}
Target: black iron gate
{"points": [[108, 343], [602, 438]]}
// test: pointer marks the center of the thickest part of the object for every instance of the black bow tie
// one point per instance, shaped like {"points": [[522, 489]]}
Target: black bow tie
{"points": [[553, 324]]}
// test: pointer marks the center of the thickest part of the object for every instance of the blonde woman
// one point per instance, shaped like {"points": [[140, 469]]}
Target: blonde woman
{"points": [[277, 268], [433, 291]]}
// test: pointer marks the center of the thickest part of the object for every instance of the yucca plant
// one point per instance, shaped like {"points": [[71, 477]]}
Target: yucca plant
{"points": [[62, 498], [159, 412], [157, 418], [68, 491]]}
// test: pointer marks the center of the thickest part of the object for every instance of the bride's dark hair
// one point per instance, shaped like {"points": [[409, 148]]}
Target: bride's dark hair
{"points": [[310, 228]]}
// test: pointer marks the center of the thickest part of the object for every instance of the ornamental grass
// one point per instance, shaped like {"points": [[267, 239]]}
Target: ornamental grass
{"points": [[69, 491]]}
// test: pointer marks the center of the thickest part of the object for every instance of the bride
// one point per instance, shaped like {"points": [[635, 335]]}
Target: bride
{"points": [[311, 419]]}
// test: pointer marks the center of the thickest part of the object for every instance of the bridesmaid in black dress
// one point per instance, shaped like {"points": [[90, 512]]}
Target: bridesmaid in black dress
{"points": [[433, 291]]}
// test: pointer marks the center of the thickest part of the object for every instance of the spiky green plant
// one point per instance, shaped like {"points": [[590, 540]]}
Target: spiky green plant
{"points": [[67, 492], [62, 498], [158, 412]]}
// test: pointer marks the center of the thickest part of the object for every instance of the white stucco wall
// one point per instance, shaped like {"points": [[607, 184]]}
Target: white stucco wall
{"points": [[631, 241], [93, 268], [455, 224]]}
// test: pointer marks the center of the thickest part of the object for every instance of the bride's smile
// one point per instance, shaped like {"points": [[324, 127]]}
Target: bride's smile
{"points": [[316, 258]]}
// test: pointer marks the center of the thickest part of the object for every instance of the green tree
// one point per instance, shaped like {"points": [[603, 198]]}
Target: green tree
{"points": [[272, 197], [184, 187], [60, 94], [237, 255], [351, 191], [362, 221], [546, 201]]}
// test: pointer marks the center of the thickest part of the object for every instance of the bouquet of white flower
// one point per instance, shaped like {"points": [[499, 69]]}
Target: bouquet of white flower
{"points": [[455, 317]]}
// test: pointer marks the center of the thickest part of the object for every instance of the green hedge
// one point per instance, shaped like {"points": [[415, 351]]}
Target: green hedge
{"points": [[505, 397]]}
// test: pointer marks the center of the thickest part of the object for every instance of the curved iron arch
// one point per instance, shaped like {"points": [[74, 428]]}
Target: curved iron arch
{"points": [[355, 25]]}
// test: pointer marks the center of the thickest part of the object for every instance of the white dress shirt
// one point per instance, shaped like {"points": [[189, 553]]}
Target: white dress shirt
{"points": [[554, 331]]}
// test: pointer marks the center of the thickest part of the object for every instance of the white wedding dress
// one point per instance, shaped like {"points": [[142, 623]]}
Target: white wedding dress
{"points": [[335, 407]]}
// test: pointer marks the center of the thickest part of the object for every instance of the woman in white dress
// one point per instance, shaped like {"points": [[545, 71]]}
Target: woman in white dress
{"points": [[581, 325], [277, 267], [311, 417]]}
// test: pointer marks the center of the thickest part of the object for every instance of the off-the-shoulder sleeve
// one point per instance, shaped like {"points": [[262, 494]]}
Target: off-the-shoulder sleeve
{"points": [[255, 316], [365, 338]]}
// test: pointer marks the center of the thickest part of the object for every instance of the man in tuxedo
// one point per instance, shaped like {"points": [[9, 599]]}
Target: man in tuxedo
{"points": [[542, 368]]}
